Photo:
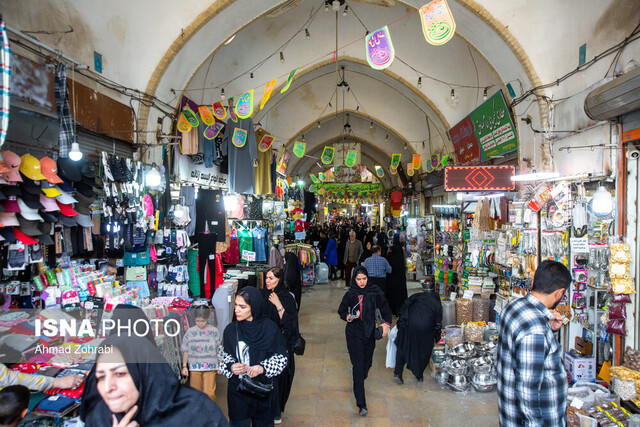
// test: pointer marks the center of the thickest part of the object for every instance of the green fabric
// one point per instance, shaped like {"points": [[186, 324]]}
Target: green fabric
{"points": [[192, 269], [245, 241]]}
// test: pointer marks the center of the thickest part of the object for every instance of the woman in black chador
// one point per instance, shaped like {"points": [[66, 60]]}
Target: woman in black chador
{"points": [[397, 280], [358, 309]]}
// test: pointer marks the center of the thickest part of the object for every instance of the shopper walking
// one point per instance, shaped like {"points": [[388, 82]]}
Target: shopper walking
{"points": [[293, 277], [331, 256], [281, 308], [352, 251], [419, 328], [397, 280], [378, 269], [252, 345], [532, 382], [342, 238], [322, 245], [132, 384], [366, 253], [200, 347], [358, 309]]}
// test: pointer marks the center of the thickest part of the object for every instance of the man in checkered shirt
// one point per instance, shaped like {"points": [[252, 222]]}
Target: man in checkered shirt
{"points": [[532, 382]]}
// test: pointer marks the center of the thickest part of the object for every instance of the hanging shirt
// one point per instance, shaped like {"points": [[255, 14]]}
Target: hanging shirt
{"points": [[232, 254], [259, 239], [245, 240]]}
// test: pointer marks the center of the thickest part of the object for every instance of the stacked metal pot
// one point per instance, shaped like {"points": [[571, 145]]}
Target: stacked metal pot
{"points": [[469, 365]]}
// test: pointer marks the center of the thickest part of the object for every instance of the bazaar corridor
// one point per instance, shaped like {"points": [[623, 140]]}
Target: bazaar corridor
{"points": [[322, 394]]}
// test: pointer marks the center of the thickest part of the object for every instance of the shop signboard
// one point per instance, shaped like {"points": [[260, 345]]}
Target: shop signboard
{"points": [[487, 132], [479, 178], [191, 173]]}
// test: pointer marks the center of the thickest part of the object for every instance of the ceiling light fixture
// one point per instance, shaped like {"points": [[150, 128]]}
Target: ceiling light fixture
{"points": [[357, 108], [282, 57], [75, 154], [326, 7], [330, 106], [423, 145], [347, 127], [454, 98], [386, 138], [419, 82], [222, 94], [485, 94], [371, 125], [319, 125], [335, 5], [343, 85], [307, 34], [602, 202], [251, 75]]}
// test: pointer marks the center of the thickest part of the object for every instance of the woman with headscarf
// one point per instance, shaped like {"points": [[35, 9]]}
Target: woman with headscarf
{"points": [[331, 256], [131, 384], [419, 328], [397, 280], [125, 317], [280, 306], [358, 309], [252, 345], [341, 241], [293, 277]]}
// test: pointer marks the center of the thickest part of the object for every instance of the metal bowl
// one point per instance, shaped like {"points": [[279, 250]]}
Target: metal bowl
{"points": [[484, 388], [486, 347], [458, 382], [457, 367], [481, 364], [463, 350], [442, 377], [484, 379]]}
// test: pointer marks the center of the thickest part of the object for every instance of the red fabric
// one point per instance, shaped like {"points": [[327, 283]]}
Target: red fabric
{"points": [[219, 272], [396, 199], [25, 367], [232, 254], [73, 393]]}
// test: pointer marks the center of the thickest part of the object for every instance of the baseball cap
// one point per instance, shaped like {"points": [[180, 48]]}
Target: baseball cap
{"points": [[68, 221], [27, 240], [30, 228], [12, 190], [12, 161], [30, 166], [8, 234], [50, 170], [45, 227], [83, 204], [49, 189], [84, 220], [27, 212], [66, 198], [86, 189], [68, 169], [45, 239], [88, 172], [11, 204], [32, 200], [66, 209], [29, 185], [8, 219], [49, 217], [66, 186], [49, 205]]}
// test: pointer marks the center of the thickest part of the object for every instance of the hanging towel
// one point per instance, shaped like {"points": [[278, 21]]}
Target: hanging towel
{"points": [[66, 136]]}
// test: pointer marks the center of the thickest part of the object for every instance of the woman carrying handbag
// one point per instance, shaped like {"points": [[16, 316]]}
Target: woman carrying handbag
{"points": [[254, 352]]}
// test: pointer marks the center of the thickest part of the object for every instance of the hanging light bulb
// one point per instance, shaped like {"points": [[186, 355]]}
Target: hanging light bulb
{"points": [[453, 95], [330, 106], [357, 108], [222, 94], [602, 202], [326, 6], [343, 85], [335, 5], [423, 145], [302, 137], [347, 127], [307, 34], [386, 138], [251, 75], [152, 177], [345, 11], [419, 82], [485, 94], [319, 125], [75, 154], [370, 125], [282, 57]]}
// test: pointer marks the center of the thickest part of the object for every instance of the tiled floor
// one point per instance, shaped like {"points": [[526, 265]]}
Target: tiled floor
{"points": [[322, 395]]}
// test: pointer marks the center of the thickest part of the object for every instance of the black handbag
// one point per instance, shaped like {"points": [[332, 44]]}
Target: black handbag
{"points": [[301, 344], [249, 386]]}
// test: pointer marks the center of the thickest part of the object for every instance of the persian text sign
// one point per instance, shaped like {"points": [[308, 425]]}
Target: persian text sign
{"points": [[189, 172], [479, 178]]}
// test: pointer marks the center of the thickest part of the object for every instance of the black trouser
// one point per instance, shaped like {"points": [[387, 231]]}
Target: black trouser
{"points": [[361, 354], [249, 422], [380, 282], [285, 381], [349, 266], [332, 272], [399, 364]]}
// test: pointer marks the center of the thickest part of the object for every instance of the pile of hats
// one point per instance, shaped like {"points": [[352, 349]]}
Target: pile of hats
{"points": [[37, 194]]}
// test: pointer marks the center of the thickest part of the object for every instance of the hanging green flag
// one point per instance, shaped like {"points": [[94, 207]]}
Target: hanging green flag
{"points": [[327, 155], [395, 160], [314, 178], [379, 171], [444, 160], [299, 148], [289, 79], [350, 160], [321, 177], [190, 116]]}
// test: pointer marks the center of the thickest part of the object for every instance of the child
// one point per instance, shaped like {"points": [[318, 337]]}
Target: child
{"points": [[200, 348], [14, 405]]}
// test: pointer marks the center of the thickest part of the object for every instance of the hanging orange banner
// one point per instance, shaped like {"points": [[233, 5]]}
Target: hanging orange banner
{"points": [[206, 116], [416, 161], [219, 111], [268, 88], [183, 125]]}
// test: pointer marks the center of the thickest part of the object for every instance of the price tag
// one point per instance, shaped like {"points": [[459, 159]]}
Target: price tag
{"points": [[248, 255], [468, 294], [212, 256], [579, 245]]}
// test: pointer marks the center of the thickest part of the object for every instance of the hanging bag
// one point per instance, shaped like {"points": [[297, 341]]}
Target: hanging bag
{"points": [[250, 386], [300, 346]]}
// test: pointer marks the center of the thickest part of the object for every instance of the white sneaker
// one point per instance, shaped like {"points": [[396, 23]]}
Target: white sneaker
{"points": [[277, 420]]}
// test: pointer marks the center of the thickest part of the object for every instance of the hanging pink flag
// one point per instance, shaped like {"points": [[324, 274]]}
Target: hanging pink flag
{"points": [[380, 52]]}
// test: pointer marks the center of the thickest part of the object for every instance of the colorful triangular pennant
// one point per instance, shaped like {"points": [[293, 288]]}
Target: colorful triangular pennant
{"points": [[289, 79], [206, 116], [190, 116], [395, 160], [239, 137], [265, 143], [268, 88], [212, 131], [350, 159]]}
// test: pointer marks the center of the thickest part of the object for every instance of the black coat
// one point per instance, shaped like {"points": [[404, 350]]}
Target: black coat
{"points": [[419, 328], [397, 280]]}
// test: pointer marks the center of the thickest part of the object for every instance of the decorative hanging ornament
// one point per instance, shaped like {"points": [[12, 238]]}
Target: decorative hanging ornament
{"points": [[314, 178], [289, 181], [183, 125], [380, 52], [410, 170], [312, 188], [321, 176], [379, 171], [219, 111], [232, 113], [428, 167], [265, 143], [321, 191], [393, 171], [244, 107], [283, 162], [438, 25], [350, 159], [212, 131], [268, 88], [239, 137], [327, 155], [445, 160], [330, 175], [289, 79], [395, 160], [416, 161], [190, 116], [206, 116], [299, 148], [435, 160]]}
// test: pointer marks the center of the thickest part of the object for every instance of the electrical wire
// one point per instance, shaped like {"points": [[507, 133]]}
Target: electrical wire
{"points": [[451, 85]]}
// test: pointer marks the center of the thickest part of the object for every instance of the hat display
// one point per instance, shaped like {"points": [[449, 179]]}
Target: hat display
{"points": [[66, 198], [27, 212], [68, 221], [12, 161], [86, 189], [11, 204], [29, 185], [32, 200], [88, 172], [66, 209], [27, 240], [50, 217], [8, 219], [69, 169], [84, 220], [45, 227], [66, 186], [30, 167], [8, 234], [12, 190], [50, 170], [50, 190], [30, 228], [49, 205], [83, 204]]}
